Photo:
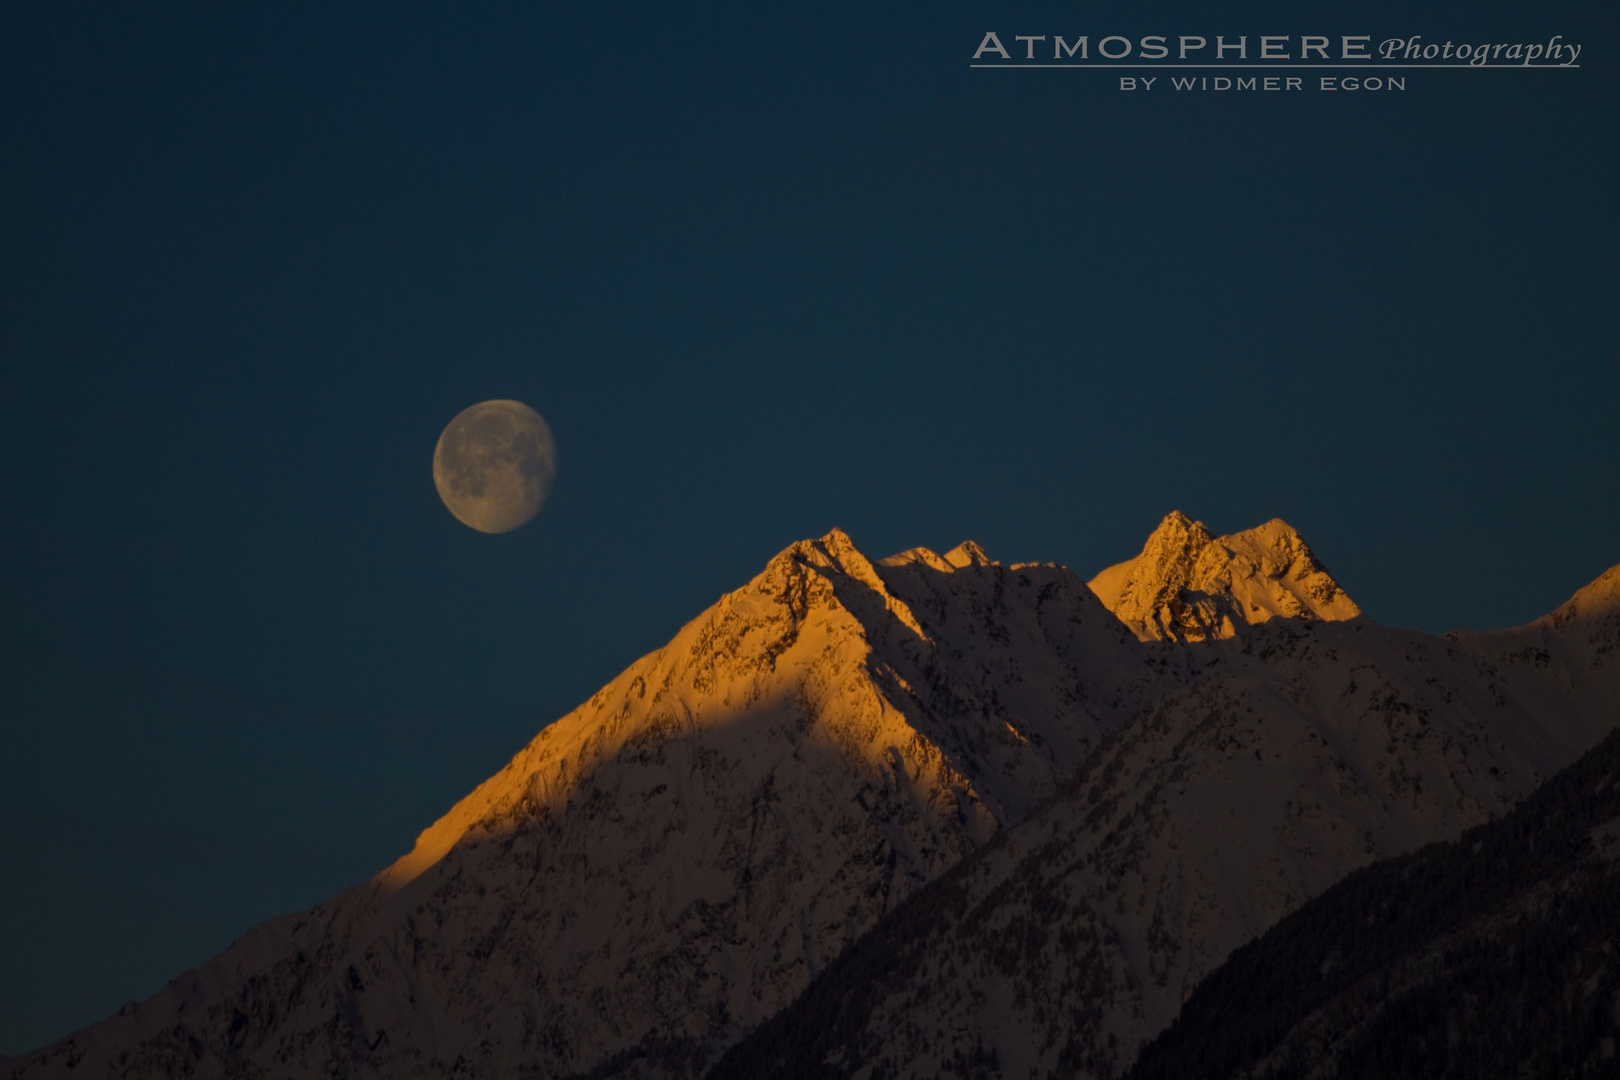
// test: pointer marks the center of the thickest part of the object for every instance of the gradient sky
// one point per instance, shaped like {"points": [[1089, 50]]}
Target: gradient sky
{"points": [[766, 270]]}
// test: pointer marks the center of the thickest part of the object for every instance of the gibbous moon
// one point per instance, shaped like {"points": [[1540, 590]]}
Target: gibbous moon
{"points": [[493, 465]]}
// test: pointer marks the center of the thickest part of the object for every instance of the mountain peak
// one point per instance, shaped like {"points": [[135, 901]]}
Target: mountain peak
{"points": [[1178, 527], [1598, 600], [963, 556], [1188, 585], [966, 554]]}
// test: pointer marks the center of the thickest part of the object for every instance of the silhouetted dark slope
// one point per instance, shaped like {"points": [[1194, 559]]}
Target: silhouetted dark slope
{"points": [[1494, 955], [1296, 752], [823, 1035]]}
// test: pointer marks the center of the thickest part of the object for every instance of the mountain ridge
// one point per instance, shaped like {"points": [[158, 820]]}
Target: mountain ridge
{"points": [[691, 850], [1063, 945]]}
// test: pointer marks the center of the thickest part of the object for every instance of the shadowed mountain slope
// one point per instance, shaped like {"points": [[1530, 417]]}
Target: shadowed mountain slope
{"points": [[1496, 955], [1304, 750]]}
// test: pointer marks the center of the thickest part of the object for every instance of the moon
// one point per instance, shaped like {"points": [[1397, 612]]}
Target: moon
{"points": [[494, 464]]}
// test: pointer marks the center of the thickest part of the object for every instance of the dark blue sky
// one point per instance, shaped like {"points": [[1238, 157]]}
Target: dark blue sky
{"points": [[766, 269]]}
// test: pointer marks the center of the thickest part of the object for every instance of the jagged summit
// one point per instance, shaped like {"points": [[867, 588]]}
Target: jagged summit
{"points": [[751, 642], [966, 554], [1188, 585], [737, 654]]}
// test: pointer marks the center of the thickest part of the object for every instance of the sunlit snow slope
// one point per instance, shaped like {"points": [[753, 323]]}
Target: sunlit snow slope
{"points": [[1187, 585], [674, 860]]}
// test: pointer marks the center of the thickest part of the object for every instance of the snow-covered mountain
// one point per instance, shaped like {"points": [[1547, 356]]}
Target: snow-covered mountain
{"points": [[679, 858], [1187, 585], [1304, 750], [1491, 955], [673, 861]]}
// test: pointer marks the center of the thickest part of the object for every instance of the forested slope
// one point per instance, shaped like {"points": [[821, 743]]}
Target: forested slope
{"points": [[1494, 955]]}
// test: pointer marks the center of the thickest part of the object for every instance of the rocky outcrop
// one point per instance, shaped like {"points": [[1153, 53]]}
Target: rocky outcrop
{"points": [[1188, 585]]}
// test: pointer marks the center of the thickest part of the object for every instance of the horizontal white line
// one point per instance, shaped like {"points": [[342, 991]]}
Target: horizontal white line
{"points": [[1278, 67]]}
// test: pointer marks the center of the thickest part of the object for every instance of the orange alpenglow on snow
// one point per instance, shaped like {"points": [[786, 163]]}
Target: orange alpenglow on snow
{"points": [[683, 856], [1190, 586]]}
